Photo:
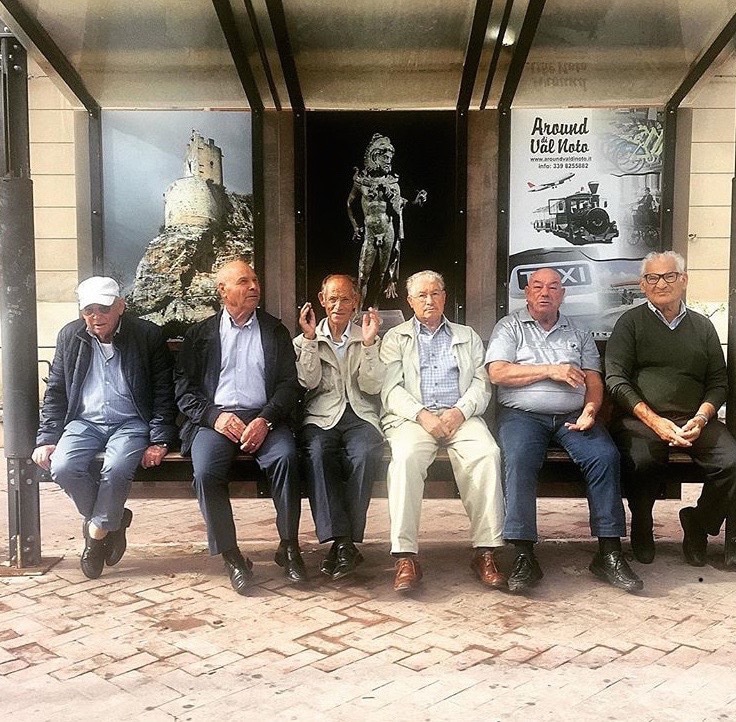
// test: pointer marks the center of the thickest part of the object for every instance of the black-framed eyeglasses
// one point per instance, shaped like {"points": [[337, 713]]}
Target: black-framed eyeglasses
{"points": [[653, 278], [96, 308]]}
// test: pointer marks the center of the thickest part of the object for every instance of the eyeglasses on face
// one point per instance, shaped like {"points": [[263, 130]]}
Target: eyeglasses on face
{"points": [[434, 295], [653, 278], [96, 309]]}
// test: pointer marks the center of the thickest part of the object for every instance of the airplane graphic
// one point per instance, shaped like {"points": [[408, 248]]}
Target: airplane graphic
{"points": [[534, 187]]}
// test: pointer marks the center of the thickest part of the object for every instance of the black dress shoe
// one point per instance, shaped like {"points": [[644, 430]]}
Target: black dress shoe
{"points": [[615, 570], [116, 542], [328, 563], [92, 561], [729, 546], [239, 569], [289, 557], [526, 572], [694, 538], [348, 558]]}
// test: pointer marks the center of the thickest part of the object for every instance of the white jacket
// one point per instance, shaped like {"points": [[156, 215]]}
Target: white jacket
{"points": [[402, 396], [330, 386]]}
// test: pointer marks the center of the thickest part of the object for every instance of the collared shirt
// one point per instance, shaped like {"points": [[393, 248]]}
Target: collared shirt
{"points": [[242, 383], [340, 345], [518, 338], [672, 325], [438, 370], [106, 397]]}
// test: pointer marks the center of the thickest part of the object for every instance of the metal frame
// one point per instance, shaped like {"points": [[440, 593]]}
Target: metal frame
{"points": [[496, 52], [513, 78], [18, 297], [473, 53]]}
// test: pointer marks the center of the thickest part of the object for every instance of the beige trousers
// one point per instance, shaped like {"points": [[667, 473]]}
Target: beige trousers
{"points": [[476, 463]]}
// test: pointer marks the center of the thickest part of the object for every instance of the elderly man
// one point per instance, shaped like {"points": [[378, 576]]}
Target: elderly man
{"points": [[434, 394], [236, 385], [110, 390], [337, 363], [549, 388], [665, 370]]}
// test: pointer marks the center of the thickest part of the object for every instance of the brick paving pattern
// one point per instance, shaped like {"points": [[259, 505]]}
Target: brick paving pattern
{"points": [[162, 636]]}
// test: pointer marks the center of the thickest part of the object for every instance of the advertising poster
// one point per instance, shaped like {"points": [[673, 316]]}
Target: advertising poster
{"points": [[585, 199]]}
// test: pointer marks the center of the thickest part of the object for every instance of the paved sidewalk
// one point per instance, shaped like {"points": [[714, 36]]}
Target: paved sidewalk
{"points": [[162, 636]]}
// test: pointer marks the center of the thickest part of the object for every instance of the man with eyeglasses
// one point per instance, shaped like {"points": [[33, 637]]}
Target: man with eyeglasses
{"points": [[434, 395], [338, 365], [665, 370], [547, 374], [110, 390]]}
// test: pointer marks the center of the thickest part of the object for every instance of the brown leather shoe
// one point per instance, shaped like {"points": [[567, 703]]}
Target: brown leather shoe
{"points": [[408, 574], [484, 566]]}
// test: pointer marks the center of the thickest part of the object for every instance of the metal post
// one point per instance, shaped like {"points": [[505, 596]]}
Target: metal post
{"points": [[731, 349], [18, 303]]}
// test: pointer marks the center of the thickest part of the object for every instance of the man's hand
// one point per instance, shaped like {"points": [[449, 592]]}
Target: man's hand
{"points": [[253, 435], [42, 455], [432, 424], [357, 235], [390, 291], [369, 327], [452, 419], [691, 430], [228, 424], [308, 321], [670, 432], [153, 456], [585, 421], [568, 374]]}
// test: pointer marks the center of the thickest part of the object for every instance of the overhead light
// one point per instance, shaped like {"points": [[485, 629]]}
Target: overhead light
{"points": [[508, 38]]}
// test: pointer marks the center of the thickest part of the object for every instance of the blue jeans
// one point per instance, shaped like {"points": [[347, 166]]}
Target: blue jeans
{"points": [[100, 499], [524, 438]]}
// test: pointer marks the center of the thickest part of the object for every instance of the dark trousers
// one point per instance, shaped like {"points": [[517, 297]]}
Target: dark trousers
{"points": [[644, 469], [212, 455], [340, 466]]}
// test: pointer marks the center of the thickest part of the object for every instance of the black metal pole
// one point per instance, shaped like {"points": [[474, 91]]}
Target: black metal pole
{"points": [[731, 348], [18, 303]]}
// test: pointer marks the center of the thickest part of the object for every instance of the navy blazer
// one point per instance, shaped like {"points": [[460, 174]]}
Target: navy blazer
{"points": [[198, 373]]}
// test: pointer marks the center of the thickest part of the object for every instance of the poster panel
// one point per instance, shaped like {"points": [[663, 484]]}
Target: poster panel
{"points": [[178, 201], [381, 204], [585, 199]]}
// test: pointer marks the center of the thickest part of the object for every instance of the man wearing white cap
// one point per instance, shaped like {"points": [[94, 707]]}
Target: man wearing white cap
{"points": [[110, 390]]}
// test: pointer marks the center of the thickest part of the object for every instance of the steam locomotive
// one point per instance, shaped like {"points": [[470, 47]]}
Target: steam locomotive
{"points": [[578, 218]]}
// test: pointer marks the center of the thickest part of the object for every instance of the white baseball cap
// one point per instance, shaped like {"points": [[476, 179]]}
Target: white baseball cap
{"points": [[98, 289]]}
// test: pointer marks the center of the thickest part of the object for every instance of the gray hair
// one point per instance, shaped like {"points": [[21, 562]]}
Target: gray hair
{"points": [[421, 275], [655, 255]]}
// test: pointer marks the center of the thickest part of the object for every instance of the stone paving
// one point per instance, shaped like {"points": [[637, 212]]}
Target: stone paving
{"points": [[162, 636]]}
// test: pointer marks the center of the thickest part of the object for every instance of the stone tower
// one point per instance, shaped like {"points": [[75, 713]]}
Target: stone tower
{"points": [[204, 159]]}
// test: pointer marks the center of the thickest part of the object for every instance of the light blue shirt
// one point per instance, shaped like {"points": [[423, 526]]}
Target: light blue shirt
{"points": [[106, 397], [518, 338], [242, 383], [339, 346], [672, 325], [438, 370]]}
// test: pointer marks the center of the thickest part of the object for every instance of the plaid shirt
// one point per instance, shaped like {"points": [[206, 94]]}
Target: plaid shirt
{"points": [[438, 369]]}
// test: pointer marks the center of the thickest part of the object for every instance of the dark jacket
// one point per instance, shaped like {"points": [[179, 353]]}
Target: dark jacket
{"points": [[198, 373], [145, 361]]}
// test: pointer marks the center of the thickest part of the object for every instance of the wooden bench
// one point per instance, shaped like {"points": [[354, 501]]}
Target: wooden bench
{"points": [[559, 477]]}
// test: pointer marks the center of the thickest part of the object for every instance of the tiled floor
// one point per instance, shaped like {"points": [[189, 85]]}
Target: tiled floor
{"points": [[162, 636]]}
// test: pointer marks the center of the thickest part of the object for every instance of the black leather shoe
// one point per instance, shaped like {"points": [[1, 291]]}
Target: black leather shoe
{"points": [[694, 538], [239, 569], [348, 558], [615, 570], [92, 561], [116, 542], [526, 572], [289, 557], [328, 563]]}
